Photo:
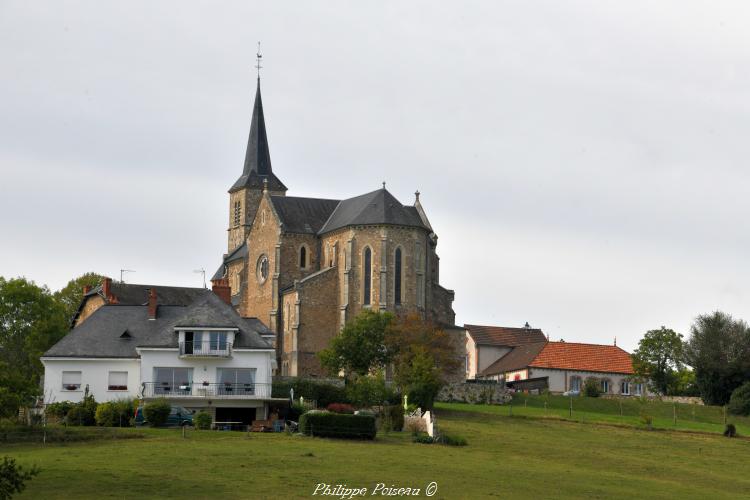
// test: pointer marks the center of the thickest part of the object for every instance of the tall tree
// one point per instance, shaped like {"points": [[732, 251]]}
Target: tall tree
{"points": [[70, 295], [31, 321], [360, 347], [719, 351], [658, 359], [423, 355]]}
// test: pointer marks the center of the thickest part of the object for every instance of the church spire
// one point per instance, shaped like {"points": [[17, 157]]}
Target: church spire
{"points": [[257, 157], [257, 165]]}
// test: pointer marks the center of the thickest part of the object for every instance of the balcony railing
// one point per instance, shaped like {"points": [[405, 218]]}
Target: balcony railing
{"points": [[201, 390], [206, 349]]}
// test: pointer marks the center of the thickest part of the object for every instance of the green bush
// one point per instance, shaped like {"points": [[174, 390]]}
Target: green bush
{"points": [[115, 413], [202, 420], [730, 431], [58, 410], [321, 392], [13, 477], [393, 417], [83, 413], [592, 388], [337, 425], [422, 438], [369, 390], [156, 413], [739, 402], [452, 440], [295, 412]]}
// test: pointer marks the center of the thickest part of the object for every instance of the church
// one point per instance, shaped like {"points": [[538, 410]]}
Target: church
{"points": [[307, 266]]}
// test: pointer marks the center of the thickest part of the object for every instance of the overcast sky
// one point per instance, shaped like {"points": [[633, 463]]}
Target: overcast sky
{"points": [[583, 163]]}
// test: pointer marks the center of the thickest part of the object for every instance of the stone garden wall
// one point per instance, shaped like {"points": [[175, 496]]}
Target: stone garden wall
{"points": [[474, 393]]}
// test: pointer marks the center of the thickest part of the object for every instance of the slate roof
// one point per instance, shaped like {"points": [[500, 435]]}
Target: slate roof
{"points": [[303, 215], [504, 336], [134, 294], [376, 207], [257, 166], [101, 335], [517, 359], [584, 357]]}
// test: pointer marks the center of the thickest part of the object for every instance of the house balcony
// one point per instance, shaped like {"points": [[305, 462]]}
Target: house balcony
{"points": [[205, 349], [150, 390]]}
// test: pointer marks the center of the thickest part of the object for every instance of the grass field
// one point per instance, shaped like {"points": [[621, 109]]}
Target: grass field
{"points": [[619, 411], [506, 458]]}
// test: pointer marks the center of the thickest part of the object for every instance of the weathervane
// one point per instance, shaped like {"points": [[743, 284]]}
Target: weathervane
{"points": [[258, 57]]}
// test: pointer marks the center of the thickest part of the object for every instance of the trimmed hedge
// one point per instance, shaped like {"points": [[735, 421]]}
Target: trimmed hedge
{"points": [[337, 425], [321, 392]]}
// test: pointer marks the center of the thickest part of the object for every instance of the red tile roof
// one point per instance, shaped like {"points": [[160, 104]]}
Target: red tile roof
{"points": [[583, 357], [504, 336]]}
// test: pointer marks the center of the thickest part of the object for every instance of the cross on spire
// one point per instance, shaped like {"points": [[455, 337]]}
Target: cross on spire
{"points": [[258, 58]]}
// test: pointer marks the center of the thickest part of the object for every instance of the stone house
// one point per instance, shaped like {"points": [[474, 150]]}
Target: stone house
{"points": [[306, 266]]}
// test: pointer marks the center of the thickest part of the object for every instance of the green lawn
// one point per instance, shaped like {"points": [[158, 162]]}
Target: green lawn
{"points": [[506, 458]]}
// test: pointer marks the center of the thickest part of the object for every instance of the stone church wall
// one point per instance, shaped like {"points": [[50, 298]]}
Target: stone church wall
{"points": [[258, 301], [318, 319]]}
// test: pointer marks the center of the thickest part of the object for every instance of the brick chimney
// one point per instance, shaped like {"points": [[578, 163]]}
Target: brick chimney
{"points": [[107, 287], [221, 288], [152, 304], [86, 289]]}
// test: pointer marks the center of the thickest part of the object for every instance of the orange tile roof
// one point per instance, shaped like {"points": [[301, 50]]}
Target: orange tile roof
{"points": [[584, 357]]}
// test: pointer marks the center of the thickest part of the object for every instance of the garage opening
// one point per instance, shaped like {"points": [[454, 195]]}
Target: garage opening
{"points": [[234, 417]]}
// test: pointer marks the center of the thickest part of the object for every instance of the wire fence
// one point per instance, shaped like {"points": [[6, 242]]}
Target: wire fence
{"points": [[631, 411], [61, 434]]}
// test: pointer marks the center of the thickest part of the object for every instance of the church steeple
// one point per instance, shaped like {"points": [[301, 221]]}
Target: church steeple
{"points": [[257, 167], [257, 157]]}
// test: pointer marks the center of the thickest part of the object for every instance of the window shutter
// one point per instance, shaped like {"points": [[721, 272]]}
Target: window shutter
{"points": [[118, 380], [71, 380]]}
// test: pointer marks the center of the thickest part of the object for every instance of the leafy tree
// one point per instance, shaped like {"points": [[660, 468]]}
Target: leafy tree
{"points": [[368, 390], [31, 321], [13, 477], [360, 347], [69, 297], [685, 384], [739, 403], [658, 359], [423, 355], [719, 352]]}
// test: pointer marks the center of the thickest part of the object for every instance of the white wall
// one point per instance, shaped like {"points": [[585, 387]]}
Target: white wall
{"points": [[559, 380], [94, 373]]}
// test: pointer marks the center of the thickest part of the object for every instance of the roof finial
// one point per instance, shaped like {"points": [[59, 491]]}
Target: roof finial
{"points": [[615, 340], [258, 57], [383, 184], [265, 184], [416, 195]]}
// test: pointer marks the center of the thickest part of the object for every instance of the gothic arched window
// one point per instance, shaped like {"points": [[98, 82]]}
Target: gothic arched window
{"points": [[303, 257], [397, 272], [367, 269]]}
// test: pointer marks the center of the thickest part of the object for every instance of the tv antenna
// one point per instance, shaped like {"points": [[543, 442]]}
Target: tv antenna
{"points": [[122, 272], [203, 272]]}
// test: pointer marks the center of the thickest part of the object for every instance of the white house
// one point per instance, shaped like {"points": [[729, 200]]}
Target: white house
{"points": [[191, 348], [565, 366], [487, 344]]}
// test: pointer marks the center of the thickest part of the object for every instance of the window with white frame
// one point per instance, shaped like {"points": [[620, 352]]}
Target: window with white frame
{"points": [[638, 389], [625, 388], [575, 383], [605, 386], [236, 381], [71, 381], [118, 381]]}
